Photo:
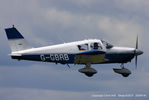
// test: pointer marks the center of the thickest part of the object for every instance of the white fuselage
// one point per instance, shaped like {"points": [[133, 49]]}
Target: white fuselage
{"points": [[68, 53]]}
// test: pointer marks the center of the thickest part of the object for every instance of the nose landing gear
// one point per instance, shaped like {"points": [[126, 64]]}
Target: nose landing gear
{"points": [[123, 71]]}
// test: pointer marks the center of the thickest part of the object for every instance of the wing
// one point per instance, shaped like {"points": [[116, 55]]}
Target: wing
{"points": [[93, 57]]}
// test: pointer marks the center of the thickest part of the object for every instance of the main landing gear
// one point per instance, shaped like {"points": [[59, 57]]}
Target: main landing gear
{"points": [[88, 70], [123, 71]]}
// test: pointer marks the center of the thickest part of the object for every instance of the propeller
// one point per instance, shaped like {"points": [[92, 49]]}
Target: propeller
{"points": [[137, 52], [136, 56]]}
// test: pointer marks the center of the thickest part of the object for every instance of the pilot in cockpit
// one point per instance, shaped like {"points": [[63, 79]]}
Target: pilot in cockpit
{"points": [[96, 46]]}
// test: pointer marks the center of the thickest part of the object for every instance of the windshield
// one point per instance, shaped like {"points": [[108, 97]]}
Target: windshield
{"points": [[106, 44]]}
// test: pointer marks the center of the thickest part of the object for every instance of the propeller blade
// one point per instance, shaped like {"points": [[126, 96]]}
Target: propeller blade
{"points": [[136, 61], [136, 57], [137, 42]]}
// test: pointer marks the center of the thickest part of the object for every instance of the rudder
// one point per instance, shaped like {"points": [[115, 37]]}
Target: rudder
{"points": [[16, 40]]}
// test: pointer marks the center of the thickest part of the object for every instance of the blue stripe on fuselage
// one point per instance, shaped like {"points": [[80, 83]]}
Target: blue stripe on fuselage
{"points": [[69, 58], [92, 52], [58, 58]]}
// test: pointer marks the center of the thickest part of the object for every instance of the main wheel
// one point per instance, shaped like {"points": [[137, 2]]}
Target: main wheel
{"points": [[89, 74], [125, 75], [88, 71]]}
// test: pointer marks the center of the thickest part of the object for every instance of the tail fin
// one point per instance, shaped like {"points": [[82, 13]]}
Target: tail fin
{"points": [[16, 40]]}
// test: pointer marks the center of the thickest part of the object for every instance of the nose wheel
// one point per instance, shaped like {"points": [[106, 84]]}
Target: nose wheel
{"points": [[123, 71]]}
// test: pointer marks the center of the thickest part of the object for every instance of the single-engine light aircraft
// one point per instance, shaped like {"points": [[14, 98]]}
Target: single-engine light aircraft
{"points": [[86, 52]]}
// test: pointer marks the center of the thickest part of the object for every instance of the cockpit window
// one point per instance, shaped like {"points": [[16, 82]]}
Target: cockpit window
{"points": [[83, 47], [95, 46], [106, 44]]}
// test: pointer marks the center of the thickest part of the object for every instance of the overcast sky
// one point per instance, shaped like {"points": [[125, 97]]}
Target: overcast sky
{"points": [[48, 22]]}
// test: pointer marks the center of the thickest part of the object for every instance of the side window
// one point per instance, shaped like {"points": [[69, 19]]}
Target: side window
{"points": [[83, 47], [95, 46]]}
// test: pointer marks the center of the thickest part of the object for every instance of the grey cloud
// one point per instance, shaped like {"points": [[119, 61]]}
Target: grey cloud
{"points": [[61, 78], [35, 94], [40, 79], [133, 6]]}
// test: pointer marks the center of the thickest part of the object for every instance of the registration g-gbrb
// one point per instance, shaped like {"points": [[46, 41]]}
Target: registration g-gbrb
{"points": [[86, 52]]}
